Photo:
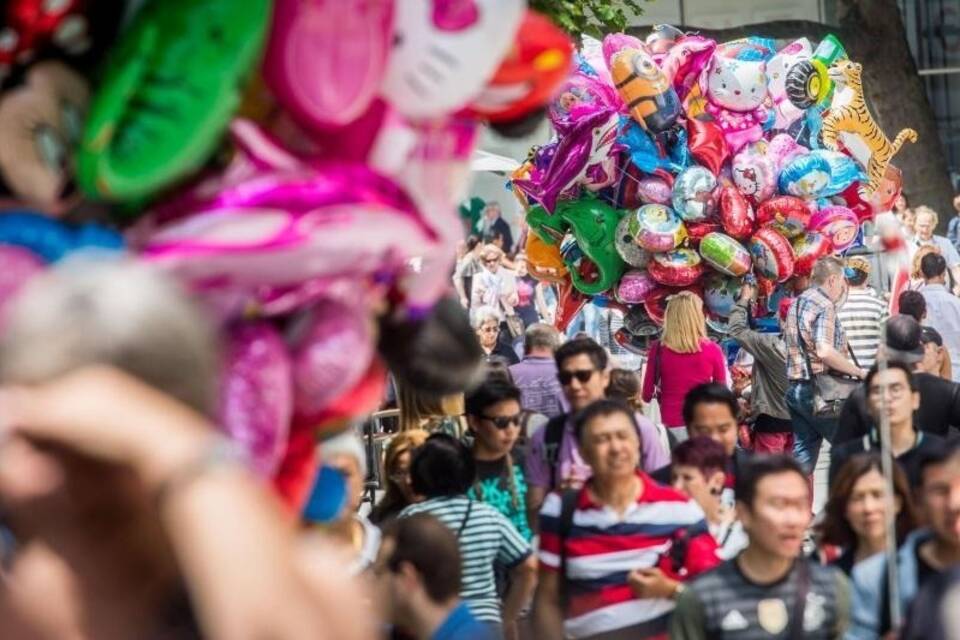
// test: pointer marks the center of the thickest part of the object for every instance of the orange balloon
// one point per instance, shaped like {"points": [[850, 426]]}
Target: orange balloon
{"points": [[543, 260]]}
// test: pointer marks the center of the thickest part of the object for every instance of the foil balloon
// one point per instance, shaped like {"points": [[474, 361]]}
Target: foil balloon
{"points": [[693, 194], [843, 171], [839, 224], [344, 44], [320, 372], [127, 152], [256, 402], [849, 125], [650, 98], [806, 176], [707, 144], [53, 240], [725, 254], [588, 142], [615, 42], [736, 214], [754, 174], [656, 228], [653, 190], [569, 303], [685, 61], [580, 96], [736, 91], [697, 231], [808, 248], [631, 252], [642, 149], [655, 304], [782, 149], [662, 38], [720, 294], [634, 286], [773, 257], [528, 76], [777, 68], [17, 266], [789, 215], [543, 259], [677, 268], [890, 187], [852, 198], [445, 52]]}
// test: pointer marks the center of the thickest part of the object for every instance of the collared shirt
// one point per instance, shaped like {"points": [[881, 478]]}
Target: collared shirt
{"points": [[818, 324], [862, 316], [947, 250], [943, 314]]}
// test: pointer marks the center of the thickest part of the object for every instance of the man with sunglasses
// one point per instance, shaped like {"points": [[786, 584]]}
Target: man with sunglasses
{"points": [[554, 461]]}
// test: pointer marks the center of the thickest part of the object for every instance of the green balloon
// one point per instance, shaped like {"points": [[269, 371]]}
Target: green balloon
{"points": [[168, 91]]}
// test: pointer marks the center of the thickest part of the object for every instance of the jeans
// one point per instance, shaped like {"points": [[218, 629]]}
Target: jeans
{"points": [[808, 431]]}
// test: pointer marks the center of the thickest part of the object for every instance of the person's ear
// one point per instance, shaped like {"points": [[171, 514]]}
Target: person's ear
{"points": [[409, 577], [605, 378], [916, 399]]}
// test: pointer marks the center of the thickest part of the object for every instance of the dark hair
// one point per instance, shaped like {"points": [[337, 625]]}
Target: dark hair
{"points": [[913, 304], [936, 456], [835, 528], [431, 548], [705, 454], [493, 389], [472, 241], [497, 366], [442, 466], [597, 409], [708, 393], [758, 467], [624, 385], [855, 277], [892, 364], [933, 265], [577, 346]]}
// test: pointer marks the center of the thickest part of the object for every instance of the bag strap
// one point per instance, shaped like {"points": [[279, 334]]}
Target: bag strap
{"points": [[552, 440], [568, 504], [656, 372], [800, 341], [800, 602], [466, 516]]}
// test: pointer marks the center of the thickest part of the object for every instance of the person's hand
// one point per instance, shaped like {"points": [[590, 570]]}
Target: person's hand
{"points": [[651, 583], [510, 630], [748, 292], [862, 374]]}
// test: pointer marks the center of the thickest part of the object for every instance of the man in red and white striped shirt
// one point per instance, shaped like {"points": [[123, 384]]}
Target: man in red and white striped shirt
{"points": [[614, 554]]}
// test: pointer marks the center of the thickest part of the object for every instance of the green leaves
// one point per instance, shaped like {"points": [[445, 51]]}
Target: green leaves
{"points": [[591, 17]]}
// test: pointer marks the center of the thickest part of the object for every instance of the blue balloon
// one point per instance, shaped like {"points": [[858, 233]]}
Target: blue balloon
{"points": [[642, 149], [844, 171], [53, 240], [805, 176]]}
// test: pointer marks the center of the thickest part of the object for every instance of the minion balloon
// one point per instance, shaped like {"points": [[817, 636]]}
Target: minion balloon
{"points": [[647, 92]]}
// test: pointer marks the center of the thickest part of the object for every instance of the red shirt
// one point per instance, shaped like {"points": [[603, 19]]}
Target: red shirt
{"points": [[680, 372]]}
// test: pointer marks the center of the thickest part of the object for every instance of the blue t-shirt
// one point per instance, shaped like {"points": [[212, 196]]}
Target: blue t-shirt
{"points": [[461, 625]]}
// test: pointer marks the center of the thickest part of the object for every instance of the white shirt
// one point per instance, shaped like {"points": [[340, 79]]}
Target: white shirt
{"points": [[947, 250], [943, 314]]}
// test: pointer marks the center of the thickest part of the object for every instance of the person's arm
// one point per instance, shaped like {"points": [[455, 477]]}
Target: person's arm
{"points": [[523, 581], [547, 612], [823, 336], [719, 365], [458, 284], [648, 373], [538, 476], [689, 620], [234, 546], [843, 606]]}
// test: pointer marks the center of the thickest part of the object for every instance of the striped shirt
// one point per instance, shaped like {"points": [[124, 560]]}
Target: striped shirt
{"points": [[861, 317], [487, 538], [602, 548]]}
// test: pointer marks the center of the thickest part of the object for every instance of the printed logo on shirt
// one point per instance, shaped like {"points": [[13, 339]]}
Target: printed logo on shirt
{"points": [[772, 615], [814, 614], [734, 621]]}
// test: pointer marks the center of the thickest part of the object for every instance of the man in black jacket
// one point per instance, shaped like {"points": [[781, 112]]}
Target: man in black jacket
{"points": [[939, 398]]}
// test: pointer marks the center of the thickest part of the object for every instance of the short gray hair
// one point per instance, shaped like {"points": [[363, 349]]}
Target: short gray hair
{"points": [[479, 315], [540, 335], [348, 444], [825, 267]]}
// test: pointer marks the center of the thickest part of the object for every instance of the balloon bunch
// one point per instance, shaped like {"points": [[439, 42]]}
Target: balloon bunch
{"points": [[294, 163], [683, 163]]}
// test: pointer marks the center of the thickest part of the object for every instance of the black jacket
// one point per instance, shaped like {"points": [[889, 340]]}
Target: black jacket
{"points": [[939, 410]]}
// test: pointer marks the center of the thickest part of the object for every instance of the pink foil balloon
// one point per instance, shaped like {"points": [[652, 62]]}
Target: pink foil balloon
{"points": [[17, 266], [330, 355], [326, 58], [255, 399]]}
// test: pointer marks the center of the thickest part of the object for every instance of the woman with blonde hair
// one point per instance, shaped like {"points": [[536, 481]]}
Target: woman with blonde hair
{"points": [[396, 476], [683, 358], [430, 412]]}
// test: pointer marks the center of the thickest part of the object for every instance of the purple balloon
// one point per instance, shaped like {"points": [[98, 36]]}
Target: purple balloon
{"points": [[331, 352], [17, 266], [256, 403]]}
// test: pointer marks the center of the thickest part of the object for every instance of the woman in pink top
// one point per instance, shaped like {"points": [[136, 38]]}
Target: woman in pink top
{"points": [[682, 359]]}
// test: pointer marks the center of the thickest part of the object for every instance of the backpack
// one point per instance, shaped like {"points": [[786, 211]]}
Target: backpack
{"points": [[552, 439]]}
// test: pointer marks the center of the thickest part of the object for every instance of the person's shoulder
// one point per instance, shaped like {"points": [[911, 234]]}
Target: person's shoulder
{"points": [[848, 448], [661, 475], [720, 578]]}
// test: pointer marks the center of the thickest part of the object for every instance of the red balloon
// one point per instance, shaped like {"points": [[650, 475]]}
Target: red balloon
{"points": [[656, 303], [809, 248], [707, 144], [772, 255], [736, 214], [855, 202], [697, 230], [787, 214], [890, 187], [569, 303], [678, 268]]}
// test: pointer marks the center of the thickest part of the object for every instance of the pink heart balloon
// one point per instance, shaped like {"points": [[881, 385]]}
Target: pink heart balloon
{"points": [[255, 399]]}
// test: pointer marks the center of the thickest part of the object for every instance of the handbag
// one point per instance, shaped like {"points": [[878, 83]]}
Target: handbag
{"points": [[514, 326], [830, 388]]}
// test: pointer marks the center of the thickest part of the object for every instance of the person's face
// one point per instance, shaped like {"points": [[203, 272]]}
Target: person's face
{"points": [[487, 333], [867, 506], [890, 393], [779, 515], [498, 427], [491, 262], [610, 446], [521, 265], [940, 501], [836, 287], [492, 212], [350, 468], [714, 420], [924, 226], [691, 481], [956, 204], [400, 476], [900, 204], [582, 382]]}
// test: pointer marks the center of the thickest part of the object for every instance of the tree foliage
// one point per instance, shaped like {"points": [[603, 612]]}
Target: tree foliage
{"points": [[591, 17]]}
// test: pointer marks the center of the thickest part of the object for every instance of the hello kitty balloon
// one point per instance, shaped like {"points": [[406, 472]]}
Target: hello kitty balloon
{"points": [[797, 51], [445, 51], [735, 91]]}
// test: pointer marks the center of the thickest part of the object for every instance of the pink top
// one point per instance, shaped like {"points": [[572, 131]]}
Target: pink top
{"points": [[680, 372]]}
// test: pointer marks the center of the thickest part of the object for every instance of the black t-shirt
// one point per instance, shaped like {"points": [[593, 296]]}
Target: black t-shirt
{"points": [[909, 461]]}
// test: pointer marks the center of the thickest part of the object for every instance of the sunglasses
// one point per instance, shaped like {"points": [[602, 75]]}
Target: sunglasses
{"points": [[583, 375], [503, 422]]}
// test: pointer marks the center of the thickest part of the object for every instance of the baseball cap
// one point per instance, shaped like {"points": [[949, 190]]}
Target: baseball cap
{"points": [[855, 264], [903, 339], [929, 334]]}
